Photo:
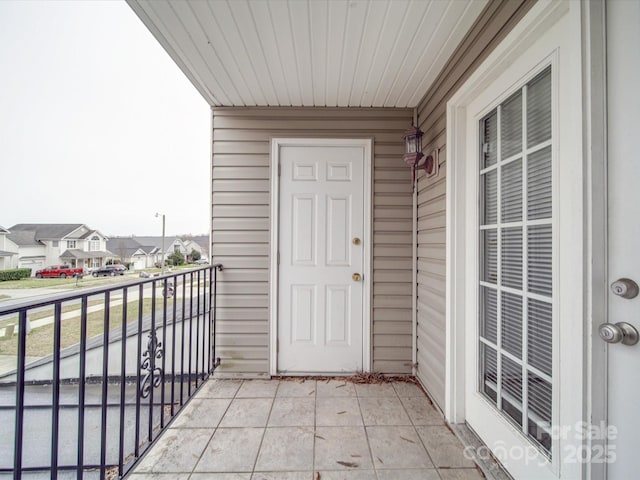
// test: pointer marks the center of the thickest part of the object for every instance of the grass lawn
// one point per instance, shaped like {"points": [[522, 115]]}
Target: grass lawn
{"points": [[67, 283], [44, 312], [40, 340]]}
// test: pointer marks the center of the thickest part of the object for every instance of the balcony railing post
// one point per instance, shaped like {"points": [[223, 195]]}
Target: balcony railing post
{"points": [[55, 392], [217, 268], [190, 331], [82, 378], [173, 346], [201, 306], [105, 384], [210, 320], [20, 377], [197, 325], [123, 376], [152, 360], [168, 291], [139, 369], [182, 339]]}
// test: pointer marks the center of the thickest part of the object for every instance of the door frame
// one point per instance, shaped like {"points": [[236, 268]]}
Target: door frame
{"points": [[587, 162], [367, 242]]}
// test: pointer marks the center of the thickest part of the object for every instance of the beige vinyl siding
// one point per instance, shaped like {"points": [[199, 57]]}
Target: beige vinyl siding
{"points": [[241, 227], [494, 23]]}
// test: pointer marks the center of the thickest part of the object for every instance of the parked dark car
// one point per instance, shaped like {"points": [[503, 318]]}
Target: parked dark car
{"points": [[109, 270]]}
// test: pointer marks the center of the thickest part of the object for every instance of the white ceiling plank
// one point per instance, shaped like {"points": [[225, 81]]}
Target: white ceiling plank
{"points": [[219, 47], [319, 31], [355, 53], [337, 18], [428, 36], [435, 28], [299, 18], [163, 17], [392, 23], [464, 14], [218, 67], [265, 31], [254, 48], [404, 44], [354, 37], [229, 29], [284, 38], [372, 37]]}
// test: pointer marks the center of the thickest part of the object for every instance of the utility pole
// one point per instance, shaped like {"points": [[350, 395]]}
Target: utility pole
{"points": [[162, 252]]}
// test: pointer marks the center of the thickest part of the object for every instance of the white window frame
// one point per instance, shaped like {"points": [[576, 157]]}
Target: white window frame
{"points": [[71, 244], [490, 81], [94, 244]]}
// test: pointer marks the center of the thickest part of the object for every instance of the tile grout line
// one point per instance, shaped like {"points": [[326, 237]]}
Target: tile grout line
{"points": [[366, 433], [214, 430], [415, 429], [264, 431]]}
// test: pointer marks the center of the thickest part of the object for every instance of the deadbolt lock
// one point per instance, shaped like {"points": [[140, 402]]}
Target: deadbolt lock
{"points": [[625, 288], [356, 241], [356, 277]]}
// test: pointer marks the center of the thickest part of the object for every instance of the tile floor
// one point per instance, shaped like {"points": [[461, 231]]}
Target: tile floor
{"points": [[311, 430]]}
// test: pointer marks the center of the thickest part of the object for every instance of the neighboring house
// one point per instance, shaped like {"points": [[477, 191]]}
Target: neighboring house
{"points": [[8, 251], [145, 252], [489, 282], [184, 245], [130, 250], [41, 244], [200, 243]]}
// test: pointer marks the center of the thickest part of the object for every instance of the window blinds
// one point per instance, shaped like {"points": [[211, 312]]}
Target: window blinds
{"points": [[516, 248]]}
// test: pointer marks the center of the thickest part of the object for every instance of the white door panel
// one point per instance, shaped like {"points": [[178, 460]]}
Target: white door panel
{"points": [[321, 210], [515, 146], [623, 98]]}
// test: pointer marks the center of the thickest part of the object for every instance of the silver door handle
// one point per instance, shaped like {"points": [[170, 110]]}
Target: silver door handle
{"points": [[621, 332]]}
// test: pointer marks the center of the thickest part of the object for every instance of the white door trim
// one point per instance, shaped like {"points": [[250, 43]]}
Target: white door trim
{"points": [[461, 239], [367, 241], [539, 19]]}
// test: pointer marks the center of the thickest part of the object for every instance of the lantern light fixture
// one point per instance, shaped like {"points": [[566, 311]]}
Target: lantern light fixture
{"points": [[413, 153]]}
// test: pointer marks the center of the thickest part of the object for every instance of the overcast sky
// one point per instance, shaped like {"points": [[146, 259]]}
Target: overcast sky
{"points": [[97, 124]]}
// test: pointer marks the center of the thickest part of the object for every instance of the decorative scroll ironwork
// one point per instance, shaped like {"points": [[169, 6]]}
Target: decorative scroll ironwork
{"points": [[155, 351]]}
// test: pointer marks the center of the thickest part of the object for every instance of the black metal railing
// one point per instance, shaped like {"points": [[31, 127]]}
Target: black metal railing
{"points": [[89, 379]]}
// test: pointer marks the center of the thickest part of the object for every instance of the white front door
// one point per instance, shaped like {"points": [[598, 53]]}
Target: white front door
{"points": [[322, 237], [515, 234], [623, 362]]}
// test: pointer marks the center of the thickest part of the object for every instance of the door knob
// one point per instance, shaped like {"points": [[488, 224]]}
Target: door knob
{"points": [[356, 277], [621, 332], [356, 241]]}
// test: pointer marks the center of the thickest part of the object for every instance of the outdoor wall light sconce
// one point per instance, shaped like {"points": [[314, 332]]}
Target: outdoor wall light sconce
{"points": [[413, 153]]}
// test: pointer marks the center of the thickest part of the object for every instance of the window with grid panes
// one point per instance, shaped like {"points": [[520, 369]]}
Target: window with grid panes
{"points": [[515, 285]]}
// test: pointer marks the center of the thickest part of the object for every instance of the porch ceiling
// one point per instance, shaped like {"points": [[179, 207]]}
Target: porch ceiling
{"points": [[351, 53]]}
